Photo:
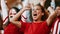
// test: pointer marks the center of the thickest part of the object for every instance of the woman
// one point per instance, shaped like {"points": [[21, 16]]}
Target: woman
{"points": [[55, 25], [11, 28], [39, 25]]}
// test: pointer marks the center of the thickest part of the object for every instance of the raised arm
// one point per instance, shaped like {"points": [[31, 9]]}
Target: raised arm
{"points": [[42, 2], [14, 20], [52, 17]]}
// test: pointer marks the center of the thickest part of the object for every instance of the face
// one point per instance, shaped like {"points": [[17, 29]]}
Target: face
{"points": [[12, 13], [37, 13], [58, 9]]}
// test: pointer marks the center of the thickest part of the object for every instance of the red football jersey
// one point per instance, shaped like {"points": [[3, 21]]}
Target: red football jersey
{"points": [[35, 28], [11, 29]]}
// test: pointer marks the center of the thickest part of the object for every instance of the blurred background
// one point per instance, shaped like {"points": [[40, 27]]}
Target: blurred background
{"points": [[11, 3]]}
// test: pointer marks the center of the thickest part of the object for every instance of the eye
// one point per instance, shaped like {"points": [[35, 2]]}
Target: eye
{"points": [[14, 14], [10, 14], [37, 9]]}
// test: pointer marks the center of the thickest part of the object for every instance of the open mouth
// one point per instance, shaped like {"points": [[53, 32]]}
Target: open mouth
{"points": [[35, 15], [11, 16]]}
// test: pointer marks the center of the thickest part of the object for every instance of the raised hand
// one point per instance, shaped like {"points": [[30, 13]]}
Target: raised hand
{"points": [[28, 7], [50, 9], [42, 2]]}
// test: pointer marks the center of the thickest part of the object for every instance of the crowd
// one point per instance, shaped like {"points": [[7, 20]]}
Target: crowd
{"points": [[26, 17]]}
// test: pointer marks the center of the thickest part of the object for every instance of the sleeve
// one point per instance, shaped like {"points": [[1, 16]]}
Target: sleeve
{"points": [[23, 26]]}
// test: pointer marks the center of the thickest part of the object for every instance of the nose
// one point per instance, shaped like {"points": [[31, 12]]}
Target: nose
{"points": [[34, 10]]}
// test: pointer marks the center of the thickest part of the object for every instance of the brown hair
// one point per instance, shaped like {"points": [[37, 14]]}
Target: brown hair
{"points": [[1, 22], [44, 17]]}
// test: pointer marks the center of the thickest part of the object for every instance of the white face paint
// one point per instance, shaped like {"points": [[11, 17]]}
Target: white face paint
{"points": [[12, 13]]}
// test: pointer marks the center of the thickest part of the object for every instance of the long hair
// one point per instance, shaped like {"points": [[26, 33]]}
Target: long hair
{"points": [[44, 17], [1, 22], [17, 10]]}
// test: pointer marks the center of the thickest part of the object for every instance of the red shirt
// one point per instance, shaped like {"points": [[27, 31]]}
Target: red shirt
{"points": [[54, 24], [35, 28], [11, 29]]}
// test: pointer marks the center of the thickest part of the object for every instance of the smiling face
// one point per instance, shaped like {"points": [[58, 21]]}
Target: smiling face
{"points": [[37, 13]]}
